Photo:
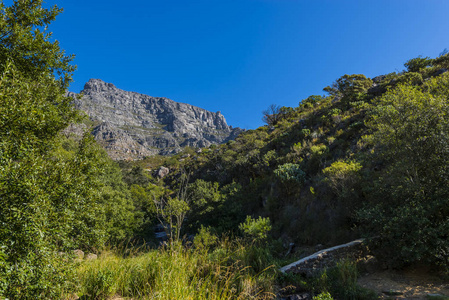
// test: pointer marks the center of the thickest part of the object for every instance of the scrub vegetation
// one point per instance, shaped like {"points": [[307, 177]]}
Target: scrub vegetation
{"points": [[369, 158]]}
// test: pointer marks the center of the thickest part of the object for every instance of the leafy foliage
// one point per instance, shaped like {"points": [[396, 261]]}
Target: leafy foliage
{"points": [[256, 229], [409, 209], [204, 239], [380, 144], [372, 143], [26, 42], [342, 176], [290, 172], [418, 63], [349, 86], [53, 190]]}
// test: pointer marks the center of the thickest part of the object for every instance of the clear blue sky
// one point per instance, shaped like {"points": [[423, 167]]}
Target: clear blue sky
{"points": [[240, 56]]}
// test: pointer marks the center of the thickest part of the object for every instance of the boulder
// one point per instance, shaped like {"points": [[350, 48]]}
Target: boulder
{"points": [[162, 172], [91, 256], [79, 254]]}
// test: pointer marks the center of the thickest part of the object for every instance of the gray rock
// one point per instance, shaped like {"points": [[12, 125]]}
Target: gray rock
{"points": [[439, 72], [162, 172], [379, 79], [303, 296], [369, 264], [79, 254], [91, 256], [376, 89], [131, 125]]}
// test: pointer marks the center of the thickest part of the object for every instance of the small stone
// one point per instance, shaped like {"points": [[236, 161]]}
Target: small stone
{"points": [[91, 256], [79, 254]]}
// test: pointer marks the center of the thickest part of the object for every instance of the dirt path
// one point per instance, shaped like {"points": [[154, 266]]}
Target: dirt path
{"points": [[414, 283]]}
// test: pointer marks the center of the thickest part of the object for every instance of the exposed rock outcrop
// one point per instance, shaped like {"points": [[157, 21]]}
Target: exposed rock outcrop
{"points": [[162, 172], [131, 125]]}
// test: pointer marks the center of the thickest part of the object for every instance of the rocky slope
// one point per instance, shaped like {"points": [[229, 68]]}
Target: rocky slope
{"points": [[131, 125]]}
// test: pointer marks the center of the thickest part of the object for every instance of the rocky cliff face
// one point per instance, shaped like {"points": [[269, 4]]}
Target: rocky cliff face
{"points": [[131, 125]]}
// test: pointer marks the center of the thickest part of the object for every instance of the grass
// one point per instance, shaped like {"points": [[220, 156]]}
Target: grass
{"points": [[176, 273], [232, 270], [341, 282]]}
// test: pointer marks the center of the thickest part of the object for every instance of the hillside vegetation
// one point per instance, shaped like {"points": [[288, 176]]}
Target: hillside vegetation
{"points": [[369, 159]]}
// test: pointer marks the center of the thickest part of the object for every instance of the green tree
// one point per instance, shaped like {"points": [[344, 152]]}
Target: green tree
{"points": [[409, 209], [350, 87], [173, 213], [205, 199], [49, 199], [272, 114], [311, 101], [26, 42], [417, 64], [123, 218]]}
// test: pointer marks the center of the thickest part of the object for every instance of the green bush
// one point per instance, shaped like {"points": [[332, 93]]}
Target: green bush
{"points": [[341, 282], [323, 296], [204, 239], [311, 101], [411, 78], [409, 207], [290, 173], [350, 87], [342, 176], [442, 61], [417, 64], [256, 229]]}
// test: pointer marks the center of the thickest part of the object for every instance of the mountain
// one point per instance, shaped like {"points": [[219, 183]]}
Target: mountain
{"points": [[131, 125]]}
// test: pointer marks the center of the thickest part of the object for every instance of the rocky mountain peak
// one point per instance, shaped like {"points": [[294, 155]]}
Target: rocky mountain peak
{"points": [[98, 85], [132, 125]]}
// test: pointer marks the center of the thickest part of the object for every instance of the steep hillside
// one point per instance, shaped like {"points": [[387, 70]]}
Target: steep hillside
{"points": [[132, 126], [370, 158]]}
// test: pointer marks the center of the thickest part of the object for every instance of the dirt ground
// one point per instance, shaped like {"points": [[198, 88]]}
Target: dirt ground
{"points": [[411, 283]]}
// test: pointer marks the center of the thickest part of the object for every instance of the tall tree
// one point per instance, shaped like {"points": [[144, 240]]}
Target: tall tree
{"points": [[26, 42], [48, 202]]}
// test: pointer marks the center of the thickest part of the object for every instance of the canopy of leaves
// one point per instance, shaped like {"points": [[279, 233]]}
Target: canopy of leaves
{"points": [[26, 42], [410, 208], [368, 158], [52, 197]]}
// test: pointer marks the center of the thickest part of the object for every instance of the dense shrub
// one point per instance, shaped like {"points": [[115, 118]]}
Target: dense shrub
{"points": [[256, 229], [409, 200], [342, 176], [418, 63], [290, 173]]}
